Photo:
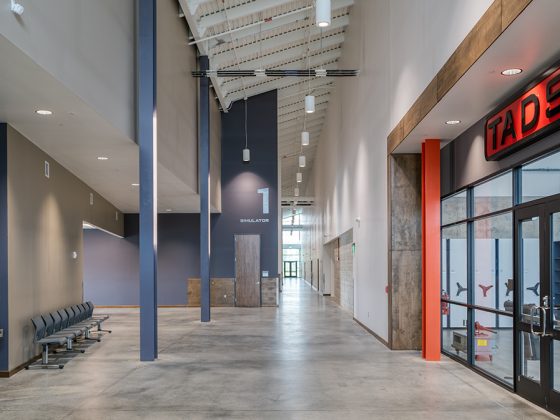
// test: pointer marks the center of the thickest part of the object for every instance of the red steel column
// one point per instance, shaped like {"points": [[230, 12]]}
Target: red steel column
{"points": [[431, 258]]}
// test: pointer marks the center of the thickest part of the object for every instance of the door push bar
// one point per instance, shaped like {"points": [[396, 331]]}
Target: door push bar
{"points": [[534, 312]]}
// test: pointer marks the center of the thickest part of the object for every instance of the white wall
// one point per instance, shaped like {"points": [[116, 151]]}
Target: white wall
{"points": [[398, 45], [86, 45]]}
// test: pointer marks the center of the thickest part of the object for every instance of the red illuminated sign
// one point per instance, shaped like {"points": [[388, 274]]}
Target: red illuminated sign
{"points": [[530, 117]]}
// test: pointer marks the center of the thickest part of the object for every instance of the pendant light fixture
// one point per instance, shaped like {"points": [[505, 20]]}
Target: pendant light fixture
{"points": [[322, 13], [296, 191], [246, 151], [309, 104], [302, 161], [299, 177], [305, 138]]}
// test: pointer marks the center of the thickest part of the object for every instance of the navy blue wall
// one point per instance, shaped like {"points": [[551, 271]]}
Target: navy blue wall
{"points": [[4, 361], [111, 264], [240, 182]]}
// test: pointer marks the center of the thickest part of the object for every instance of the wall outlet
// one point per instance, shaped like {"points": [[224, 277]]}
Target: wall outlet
{"points": [[1, 332]]}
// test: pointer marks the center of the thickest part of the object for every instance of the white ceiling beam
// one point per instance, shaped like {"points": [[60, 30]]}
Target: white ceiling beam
{"points": [[193, 6], [236, 12], [278, 21], [260, 6], [272, 57], [301, 88], [276, 42], [224, 103], [285, 118], [299, 120], [299, 107]]}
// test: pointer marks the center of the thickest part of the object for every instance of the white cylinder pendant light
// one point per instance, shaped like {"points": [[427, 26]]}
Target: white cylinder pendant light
{"points": [[296, 191], [305, 138], [299, 177], [246, 155], [310, 104], [322, 13], [302, 161]]}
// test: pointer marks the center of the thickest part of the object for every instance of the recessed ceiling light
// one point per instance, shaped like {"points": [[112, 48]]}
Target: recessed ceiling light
{"points": [[102, 158], [43, 112], [135, 185], [511, 72], [453, 122]]}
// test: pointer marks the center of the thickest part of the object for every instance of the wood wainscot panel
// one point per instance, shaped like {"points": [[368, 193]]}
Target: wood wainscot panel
{"points": [[269, 291], [222, 292]]}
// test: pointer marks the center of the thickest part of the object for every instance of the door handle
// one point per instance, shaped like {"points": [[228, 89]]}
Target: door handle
{"points": [[532, 313]]}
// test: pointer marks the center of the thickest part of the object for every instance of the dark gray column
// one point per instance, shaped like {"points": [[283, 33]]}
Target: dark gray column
{"points": [[147, 140], [4, 361], [204, 190]]}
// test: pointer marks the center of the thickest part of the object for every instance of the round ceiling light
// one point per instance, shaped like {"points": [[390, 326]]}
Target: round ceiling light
{"points": [[511, 72], [43, 112], [453, 122]]}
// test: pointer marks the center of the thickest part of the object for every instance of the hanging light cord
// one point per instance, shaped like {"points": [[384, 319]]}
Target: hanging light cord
{"points": [[246, 123]]}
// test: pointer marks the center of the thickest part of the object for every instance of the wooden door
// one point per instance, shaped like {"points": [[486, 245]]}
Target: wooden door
{"points": [[248, 270]]}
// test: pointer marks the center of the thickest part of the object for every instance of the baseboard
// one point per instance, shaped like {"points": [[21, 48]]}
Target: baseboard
{"points": [[382, 341], [136, 306], [7, 374]]}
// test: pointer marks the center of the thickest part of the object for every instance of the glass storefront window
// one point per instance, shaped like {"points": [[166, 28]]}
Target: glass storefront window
{"points": [[454, 262], [493, 344], [493, 195], [493, 262], [454, 208], [454, 329], [540, 178]]}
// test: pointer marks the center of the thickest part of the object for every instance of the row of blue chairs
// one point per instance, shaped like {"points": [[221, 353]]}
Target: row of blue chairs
{"points": [[63, 328]]}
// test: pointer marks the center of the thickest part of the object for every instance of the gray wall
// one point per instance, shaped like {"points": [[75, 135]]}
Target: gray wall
{"points": [[45, 217], [240, 182], [463, 161], [111, 264]]}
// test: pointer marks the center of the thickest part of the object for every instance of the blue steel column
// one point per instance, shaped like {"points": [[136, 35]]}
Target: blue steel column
{"points": [[204, 185], [147, 140]]}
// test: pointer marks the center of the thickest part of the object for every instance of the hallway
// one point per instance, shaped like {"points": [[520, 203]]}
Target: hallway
{"points": [[306, 360]]}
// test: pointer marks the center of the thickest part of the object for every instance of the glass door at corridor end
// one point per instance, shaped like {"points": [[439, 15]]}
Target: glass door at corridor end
{"points": [[538, 303], [290, 269]]}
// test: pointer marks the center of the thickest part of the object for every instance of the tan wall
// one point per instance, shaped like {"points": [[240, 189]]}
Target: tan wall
{"points": [[215, 156], [177, 96], [45, 218]]}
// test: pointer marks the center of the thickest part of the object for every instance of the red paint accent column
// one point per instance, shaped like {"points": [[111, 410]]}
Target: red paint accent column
{"points": [[431, 258]]}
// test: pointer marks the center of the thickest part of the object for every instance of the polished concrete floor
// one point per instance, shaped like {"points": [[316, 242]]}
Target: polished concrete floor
{"points": [[305, 360]]}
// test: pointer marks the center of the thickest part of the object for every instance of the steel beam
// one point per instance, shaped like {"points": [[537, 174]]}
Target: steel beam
{"points": [[204, 189], [146, 119]]}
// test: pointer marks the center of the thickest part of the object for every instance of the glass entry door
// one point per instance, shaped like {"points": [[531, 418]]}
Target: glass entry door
{"points": [[290, 269], [538, 303]]}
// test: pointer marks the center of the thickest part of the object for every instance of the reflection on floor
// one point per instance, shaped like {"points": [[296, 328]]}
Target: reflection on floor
{"points": [[305, 360]]}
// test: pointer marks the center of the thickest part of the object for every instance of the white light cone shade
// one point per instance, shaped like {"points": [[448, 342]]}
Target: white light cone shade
{"points": [[323, 13], [302, 161], [310, 104], [296, 192], [299, 177], [305, 138], [246, 155]]}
